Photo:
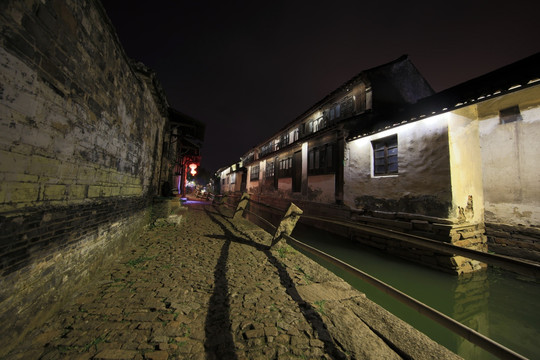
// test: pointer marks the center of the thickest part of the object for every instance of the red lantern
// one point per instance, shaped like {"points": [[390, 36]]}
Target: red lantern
{"points": [[193, 168]]}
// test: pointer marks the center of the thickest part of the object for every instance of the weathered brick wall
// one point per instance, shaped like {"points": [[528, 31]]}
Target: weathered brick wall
{"points": [[80, 140]]}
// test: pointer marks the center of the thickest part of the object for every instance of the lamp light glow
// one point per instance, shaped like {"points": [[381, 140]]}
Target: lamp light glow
{"points": [[193, 168]]}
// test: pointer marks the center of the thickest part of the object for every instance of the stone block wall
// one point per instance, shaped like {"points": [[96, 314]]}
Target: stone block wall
{"points": [[513, 240], [81, 133], [466, 235]]}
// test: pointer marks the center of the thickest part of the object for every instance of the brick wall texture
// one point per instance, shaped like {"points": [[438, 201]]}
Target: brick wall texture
{"points": [[81, 130]]}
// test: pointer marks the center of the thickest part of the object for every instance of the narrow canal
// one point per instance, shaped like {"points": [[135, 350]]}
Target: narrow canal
{"points": [[496, 303]]}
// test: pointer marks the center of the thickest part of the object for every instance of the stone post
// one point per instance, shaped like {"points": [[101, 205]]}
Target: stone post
{"points": [[288, 222], [244, 200]]}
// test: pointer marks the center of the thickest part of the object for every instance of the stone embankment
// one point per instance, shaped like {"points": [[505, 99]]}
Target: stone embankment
{"points": [[210, 288]]}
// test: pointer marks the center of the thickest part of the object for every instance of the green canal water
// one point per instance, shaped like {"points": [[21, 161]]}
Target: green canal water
{"points": [[499, 304]]}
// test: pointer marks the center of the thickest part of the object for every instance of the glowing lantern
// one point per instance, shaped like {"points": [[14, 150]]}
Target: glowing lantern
{"points": [[193, 168]]}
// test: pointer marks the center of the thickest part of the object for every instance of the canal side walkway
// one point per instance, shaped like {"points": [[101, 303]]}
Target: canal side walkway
{"points": [[210, 288]]}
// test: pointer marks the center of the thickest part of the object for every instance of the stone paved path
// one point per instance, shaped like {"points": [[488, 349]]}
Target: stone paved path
{"points": [[210, 289]]}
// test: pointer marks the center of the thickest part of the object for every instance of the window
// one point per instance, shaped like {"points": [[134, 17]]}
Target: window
{"points": [[347, 106], [509, 115], [284, 141], [269, 172], [295, 135], [285, 167], [321, 160], [315, 125], [268, 148], [385, 156], [233, 178], [333, 113], [254, 173], [249, 159]]}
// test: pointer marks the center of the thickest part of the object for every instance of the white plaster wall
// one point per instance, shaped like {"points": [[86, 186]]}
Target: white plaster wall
{"points": [[423, 162], [466, 163], [510, 161], [324, 186]]}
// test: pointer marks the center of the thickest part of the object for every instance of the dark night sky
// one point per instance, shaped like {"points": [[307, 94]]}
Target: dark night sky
{"points": [[246, 68]]}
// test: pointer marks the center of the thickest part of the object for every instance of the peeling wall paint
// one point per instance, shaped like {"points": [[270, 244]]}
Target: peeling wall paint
{"points": [[466, 166], [511, 174], [321, 188]]}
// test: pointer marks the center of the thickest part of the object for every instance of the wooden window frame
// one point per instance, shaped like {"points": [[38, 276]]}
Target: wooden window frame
{"points": [[321, 159], [269, 169], [252, 172], [385, 156], [285, 167]]}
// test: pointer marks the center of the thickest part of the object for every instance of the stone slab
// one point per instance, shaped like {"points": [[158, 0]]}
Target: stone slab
{"points": [[328, 291]]}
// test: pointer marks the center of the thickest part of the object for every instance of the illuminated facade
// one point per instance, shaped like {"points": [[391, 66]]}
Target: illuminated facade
{"points": [[389, 151], [301, 160], [232, 179]]}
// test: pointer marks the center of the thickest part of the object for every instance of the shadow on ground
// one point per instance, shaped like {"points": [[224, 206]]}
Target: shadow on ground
{"points": [[219, 340]]}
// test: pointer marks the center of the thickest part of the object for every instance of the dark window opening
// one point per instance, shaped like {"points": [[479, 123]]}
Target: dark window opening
{"points": [[385, 156], [321, 160], [509, 115]]}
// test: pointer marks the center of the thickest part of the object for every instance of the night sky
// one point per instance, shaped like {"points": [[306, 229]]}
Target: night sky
{"points": [[247, 68]]}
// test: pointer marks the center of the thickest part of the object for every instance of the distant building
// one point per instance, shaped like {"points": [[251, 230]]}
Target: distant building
{"points": [[232, 178], [383, 149], [182, 146]]}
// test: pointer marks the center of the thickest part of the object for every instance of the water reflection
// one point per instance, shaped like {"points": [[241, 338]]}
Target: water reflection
{"points": [[469, 306], [496, 303]]}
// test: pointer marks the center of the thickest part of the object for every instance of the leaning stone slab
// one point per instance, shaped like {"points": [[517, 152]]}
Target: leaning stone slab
{"points": [[288, 222], [328, 291], [411, 343], [355, 336]]}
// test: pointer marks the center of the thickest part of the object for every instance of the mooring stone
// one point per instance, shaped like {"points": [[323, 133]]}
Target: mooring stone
{"points": [[288, 222], [241, 206]]}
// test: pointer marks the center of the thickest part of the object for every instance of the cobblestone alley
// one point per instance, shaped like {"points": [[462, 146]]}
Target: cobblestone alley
{"points": [[211, 289]]}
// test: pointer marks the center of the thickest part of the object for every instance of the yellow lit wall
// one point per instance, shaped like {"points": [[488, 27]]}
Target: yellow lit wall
{"points": [[510, 159], [466, 164]]}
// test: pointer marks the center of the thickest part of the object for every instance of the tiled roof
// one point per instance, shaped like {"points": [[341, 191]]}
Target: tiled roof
{"points": [[518, 75]]}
